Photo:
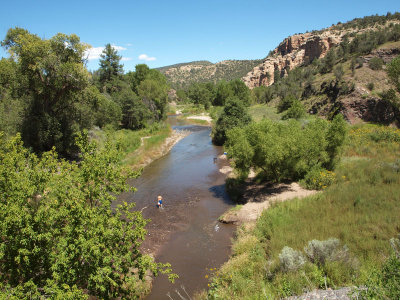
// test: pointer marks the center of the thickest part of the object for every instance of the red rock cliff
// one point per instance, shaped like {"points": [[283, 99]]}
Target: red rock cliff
{"points": [[292, 52]]}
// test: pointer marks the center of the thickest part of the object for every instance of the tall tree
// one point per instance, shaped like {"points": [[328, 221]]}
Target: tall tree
{"points": [[54, 76], [110, 67]]}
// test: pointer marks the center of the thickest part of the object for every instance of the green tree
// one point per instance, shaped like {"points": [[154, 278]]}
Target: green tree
{"points": [[393, 71], [375, 63], [241, 91], [234, 114], [223, 92], [110, 69], [54, 77], [60, 238], [155, 96], [295, 111]]}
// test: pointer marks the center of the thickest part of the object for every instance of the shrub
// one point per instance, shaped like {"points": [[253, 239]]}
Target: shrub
{"points": [[286, 103], [375, 63], [318, 178], [320, 252], [385, 283], [370, 86], [295, 111], [290, 259]]}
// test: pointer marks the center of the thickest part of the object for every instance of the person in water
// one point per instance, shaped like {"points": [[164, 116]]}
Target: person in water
{"points": [[159, 202]]}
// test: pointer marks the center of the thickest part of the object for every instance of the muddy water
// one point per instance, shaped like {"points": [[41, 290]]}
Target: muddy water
{"points": [[185, 232]]}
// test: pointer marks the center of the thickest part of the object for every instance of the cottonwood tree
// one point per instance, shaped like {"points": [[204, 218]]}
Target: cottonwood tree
{"points": [[54, 77]]}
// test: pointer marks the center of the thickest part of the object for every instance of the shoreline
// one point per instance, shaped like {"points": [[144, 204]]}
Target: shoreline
{"points": [[150, 155]]}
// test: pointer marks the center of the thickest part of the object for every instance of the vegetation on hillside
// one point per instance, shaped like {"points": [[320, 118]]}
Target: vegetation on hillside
{"points": [[180, 76]]}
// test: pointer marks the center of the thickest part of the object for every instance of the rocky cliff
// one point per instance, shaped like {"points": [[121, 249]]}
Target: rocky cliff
{"points": [[292, 52]]}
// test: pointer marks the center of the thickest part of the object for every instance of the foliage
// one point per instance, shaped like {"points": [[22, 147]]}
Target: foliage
{"points": [[234, 115], [290, 259], [110, 68], [54, 79], [385, 283], [321, 252], [318, 178], [295, 111], [286, 103], [375, 63], [285, 150], [360, 207], [60, 236], [393, 70], [181, 76]]}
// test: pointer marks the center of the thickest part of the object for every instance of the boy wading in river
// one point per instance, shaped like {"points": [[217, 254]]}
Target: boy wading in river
{"points": [[159, 202]]}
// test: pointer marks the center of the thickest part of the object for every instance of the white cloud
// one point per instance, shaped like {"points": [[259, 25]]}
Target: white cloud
{"points": [[129, 44], [146, 57], [95, 52], [126, 58]]}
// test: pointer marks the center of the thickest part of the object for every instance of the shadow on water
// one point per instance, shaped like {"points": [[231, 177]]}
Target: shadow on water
{"points": [[185, 232]]}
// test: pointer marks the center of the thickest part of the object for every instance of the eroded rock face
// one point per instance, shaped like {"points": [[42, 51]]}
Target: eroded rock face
{"points": [[292, 52], [372, 109]]}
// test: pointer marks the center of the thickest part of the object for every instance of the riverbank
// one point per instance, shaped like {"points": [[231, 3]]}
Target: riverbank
{"points": [[350, 223], [153, 148]]}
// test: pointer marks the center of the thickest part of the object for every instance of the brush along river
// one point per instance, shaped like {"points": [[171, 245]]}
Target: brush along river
{"points": [[185, 232]]}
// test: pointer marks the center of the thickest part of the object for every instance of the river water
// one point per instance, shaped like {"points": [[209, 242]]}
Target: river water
{"points": [[185, 232]]}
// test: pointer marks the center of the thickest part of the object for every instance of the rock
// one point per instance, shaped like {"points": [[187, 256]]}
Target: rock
{"points": [[356, 108], [292, 52]]}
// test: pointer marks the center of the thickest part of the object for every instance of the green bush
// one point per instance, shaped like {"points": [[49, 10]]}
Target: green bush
{"points": [[285, 150], [370, 86], [375, 63], [318, 178], [295, 111], [286, 103]]}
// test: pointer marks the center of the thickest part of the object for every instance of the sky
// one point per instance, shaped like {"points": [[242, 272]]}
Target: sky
{"points": [[165, 32]]}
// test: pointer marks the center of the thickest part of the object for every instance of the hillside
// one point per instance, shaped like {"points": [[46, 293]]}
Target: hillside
{"points": [[182, 75], [302, 49]]}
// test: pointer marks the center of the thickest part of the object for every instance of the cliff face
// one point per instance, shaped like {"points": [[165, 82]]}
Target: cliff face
{"points": [[292, 52]]}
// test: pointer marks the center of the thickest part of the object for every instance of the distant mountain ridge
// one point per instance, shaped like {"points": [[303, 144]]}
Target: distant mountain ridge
{"points": [[182, 75]]}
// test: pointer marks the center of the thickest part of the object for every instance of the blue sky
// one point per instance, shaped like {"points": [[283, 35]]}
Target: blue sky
{"points": [[166, 32]]}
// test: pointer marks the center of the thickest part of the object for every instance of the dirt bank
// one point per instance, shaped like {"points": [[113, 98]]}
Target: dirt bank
{"points": [[259, 197]]}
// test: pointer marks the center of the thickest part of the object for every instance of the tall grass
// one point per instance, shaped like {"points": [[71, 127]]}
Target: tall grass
{"points": [[361, 209]]}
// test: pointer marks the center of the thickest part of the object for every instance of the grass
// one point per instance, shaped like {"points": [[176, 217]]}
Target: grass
{"points": [[260, 111], [136, 145], [361, 209]]}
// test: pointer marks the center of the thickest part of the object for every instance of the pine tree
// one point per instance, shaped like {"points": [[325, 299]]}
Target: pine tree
{"points": [[110, 68]]}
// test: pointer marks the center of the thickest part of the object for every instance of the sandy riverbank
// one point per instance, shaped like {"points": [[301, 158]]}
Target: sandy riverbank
{"points": [[259, 197]]}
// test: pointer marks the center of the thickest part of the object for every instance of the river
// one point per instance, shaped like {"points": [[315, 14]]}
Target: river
{"points": [[185, 232]]}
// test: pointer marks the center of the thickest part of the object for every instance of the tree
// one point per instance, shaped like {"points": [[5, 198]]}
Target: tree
{"points": [[393, 71], [54, 76], [295, 111], [60, 237], [375, 63], [234, 114], [223, 92], [241, 91], [110, 68]]}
